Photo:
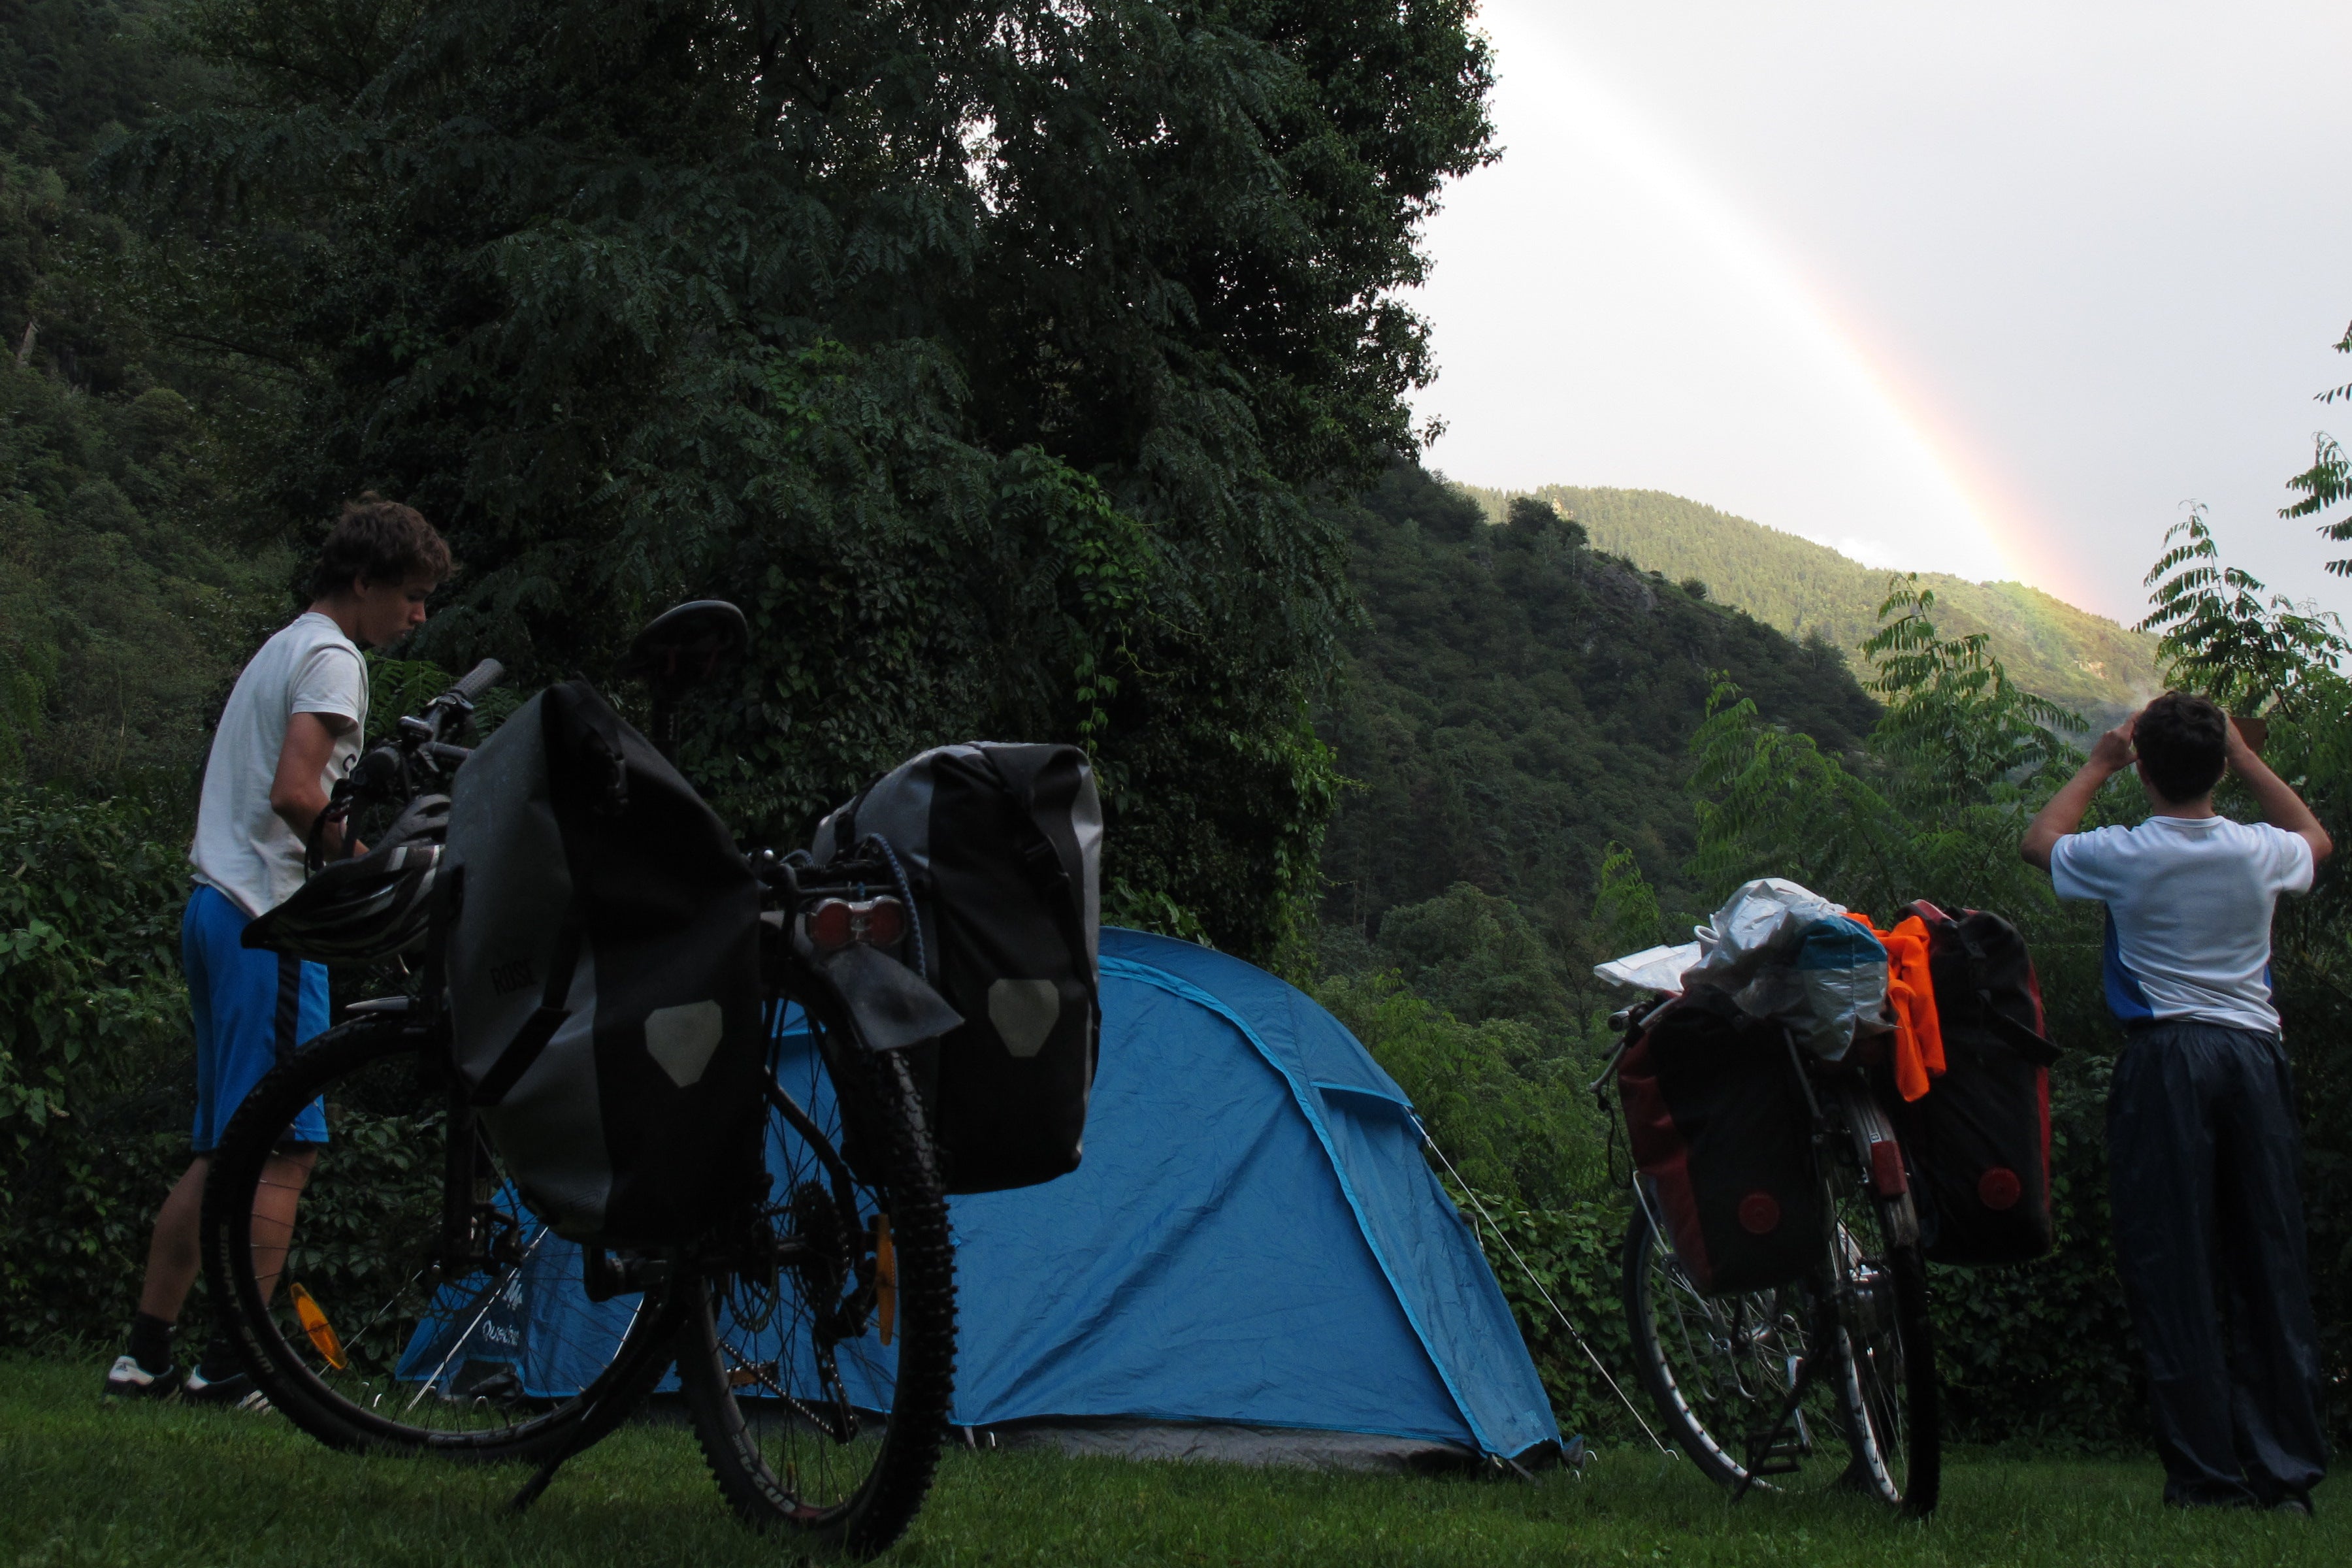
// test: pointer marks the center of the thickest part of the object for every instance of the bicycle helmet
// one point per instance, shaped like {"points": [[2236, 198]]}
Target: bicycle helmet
{"points": [[366, 909]]}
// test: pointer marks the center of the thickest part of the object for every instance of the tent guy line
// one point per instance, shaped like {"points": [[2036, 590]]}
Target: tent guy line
{"points": [[1431, 1144]]}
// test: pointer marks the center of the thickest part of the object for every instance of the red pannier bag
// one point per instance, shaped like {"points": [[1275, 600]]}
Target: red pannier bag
{"points": [[1977, 1143], [1722, 1133]]}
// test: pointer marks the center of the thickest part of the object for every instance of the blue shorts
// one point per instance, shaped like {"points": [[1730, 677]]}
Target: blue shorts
{"points": [[251, 1010]]}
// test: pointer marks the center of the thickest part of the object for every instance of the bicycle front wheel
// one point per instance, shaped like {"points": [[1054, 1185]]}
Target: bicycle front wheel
{"points": [[1718, 1368], [819, 1366], [1894, 1423], [333, 1284]]}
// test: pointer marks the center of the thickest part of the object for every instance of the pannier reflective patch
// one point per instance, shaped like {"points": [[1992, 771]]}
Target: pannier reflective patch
{"points": [[681, 1038], [1759, 1214], [1999, 1188], [1024, 1013]]}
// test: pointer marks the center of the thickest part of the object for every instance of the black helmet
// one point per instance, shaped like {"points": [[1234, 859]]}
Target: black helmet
{"points": [[362, 911]]}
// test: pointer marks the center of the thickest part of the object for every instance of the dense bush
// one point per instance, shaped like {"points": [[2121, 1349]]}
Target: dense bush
{"points": [[95, 1091], [96, 1085]]}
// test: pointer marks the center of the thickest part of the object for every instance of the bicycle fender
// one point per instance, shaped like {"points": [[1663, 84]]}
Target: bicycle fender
{"points": [[892, 1006]]}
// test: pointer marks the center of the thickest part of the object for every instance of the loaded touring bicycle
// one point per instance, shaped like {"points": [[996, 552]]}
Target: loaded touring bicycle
{"points": [[583, 1084], [1786, 1207]]}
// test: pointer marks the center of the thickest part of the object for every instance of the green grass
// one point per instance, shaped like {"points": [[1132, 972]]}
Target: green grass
{"points": [[85, 1482]]}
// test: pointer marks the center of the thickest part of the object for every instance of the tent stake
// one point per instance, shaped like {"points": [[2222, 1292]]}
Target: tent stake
{"points": [[1431, 1144]]}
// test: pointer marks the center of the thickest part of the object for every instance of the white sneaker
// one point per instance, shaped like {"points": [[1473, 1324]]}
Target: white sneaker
{"points": [[126, 1378], [234, 1392]]}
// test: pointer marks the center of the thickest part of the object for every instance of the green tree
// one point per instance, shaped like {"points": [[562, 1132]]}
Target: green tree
{"points": [[989, 355], [2328, 481], [2222, 637]]}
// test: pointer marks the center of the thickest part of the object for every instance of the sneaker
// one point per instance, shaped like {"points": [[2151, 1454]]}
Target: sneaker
{"points": [[234, 1392], [126, 1378]]}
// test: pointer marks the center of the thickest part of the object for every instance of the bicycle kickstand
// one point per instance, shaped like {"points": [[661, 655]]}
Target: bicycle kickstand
{"points": [[1775, 1450], [587, 1430], [521, 1502]]}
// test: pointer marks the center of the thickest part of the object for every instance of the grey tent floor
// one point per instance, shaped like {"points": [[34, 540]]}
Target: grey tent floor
{"points": [[1227, 1443], [1217, 1441]]}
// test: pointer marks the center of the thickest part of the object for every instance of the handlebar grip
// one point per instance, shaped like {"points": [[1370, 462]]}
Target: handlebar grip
{"points": [[479, 679]]}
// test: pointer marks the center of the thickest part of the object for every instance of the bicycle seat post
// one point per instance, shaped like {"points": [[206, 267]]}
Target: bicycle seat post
{"points": [[678, 650]]}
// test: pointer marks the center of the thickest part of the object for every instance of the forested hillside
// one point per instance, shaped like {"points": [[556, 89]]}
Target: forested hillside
{"points": [[1515, 702], [127, 594], [2075, 658], [1516, 698]]}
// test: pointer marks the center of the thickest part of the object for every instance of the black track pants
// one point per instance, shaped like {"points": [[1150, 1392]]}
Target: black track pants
{"points": [[2210, 1241]]}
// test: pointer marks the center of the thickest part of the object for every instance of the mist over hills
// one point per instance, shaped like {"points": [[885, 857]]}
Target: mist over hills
{"points": [[2083, 661]]}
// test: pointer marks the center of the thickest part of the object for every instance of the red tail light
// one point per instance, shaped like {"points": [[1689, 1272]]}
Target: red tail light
{"points": [[830, 926], [884, 922], [835, 923]]}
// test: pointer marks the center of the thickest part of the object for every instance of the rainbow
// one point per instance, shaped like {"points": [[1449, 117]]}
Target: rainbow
{"points": [[1960, 491]]}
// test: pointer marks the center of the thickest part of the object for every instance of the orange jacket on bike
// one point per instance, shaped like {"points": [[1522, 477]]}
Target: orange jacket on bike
{"points": [[1919, 1037]]}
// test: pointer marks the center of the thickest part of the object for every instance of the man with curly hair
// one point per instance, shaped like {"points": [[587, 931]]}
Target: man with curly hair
{"points": [[293, 727], [2201, 1138]]}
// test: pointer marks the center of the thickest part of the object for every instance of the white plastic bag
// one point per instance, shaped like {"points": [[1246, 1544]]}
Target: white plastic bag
{"points": [[1760, 924], [1781, 951]]}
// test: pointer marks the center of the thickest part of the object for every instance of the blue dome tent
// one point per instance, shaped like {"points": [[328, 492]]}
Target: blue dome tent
{"points": [[1253, 1262]]}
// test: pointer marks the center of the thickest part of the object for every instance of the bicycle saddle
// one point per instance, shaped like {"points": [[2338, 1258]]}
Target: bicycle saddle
{"points": [[683, 647]]}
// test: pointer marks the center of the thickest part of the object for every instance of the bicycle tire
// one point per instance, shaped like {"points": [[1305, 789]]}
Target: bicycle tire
{"points": [[1715, 1366], [1894, 1408], [365, 1232], [787, 1439]]}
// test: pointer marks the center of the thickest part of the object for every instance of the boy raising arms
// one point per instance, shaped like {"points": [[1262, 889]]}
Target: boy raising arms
{"points": [[2201, 1139], [293, 727]]}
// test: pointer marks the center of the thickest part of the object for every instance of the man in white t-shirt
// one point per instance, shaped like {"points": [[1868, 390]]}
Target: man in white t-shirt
{"points": [[293, 727], [2201, 1139]]}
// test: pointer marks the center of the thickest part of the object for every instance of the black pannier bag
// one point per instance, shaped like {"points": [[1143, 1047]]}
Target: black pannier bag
{"points": [[1979, 1140], [603, 976], [1722, 1133], [1002, 846]]}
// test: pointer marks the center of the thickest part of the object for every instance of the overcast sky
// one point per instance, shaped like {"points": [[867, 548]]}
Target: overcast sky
{"points": [[1990, 289]]}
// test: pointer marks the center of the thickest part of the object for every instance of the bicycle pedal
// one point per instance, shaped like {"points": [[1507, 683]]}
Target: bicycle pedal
{"points": [[758, 1372]]}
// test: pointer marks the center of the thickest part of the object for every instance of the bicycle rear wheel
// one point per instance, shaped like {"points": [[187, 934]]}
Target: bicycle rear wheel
{"points": [[819, 1369], [1894, 1420], [367, 1340], [1718, 1368]]}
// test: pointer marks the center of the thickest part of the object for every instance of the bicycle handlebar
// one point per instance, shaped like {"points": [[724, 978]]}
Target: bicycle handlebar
{"points": [[479, 679]]}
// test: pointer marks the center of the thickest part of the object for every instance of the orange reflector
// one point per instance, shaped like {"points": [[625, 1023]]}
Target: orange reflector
{"points": [[314, 1323], [886, 1276]]}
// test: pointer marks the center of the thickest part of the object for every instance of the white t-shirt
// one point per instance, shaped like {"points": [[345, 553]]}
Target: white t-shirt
{"points": [[243, 847], [2188, 912]]}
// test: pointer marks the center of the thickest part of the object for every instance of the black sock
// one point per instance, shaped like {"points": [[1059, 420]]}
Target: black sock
{"points": [[150, 1342], [220, 1359]]}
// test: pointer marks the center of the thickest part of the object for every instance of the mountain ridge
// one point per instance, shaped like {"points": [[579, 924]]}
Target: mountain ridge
{"points": [[2052, 648]]}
